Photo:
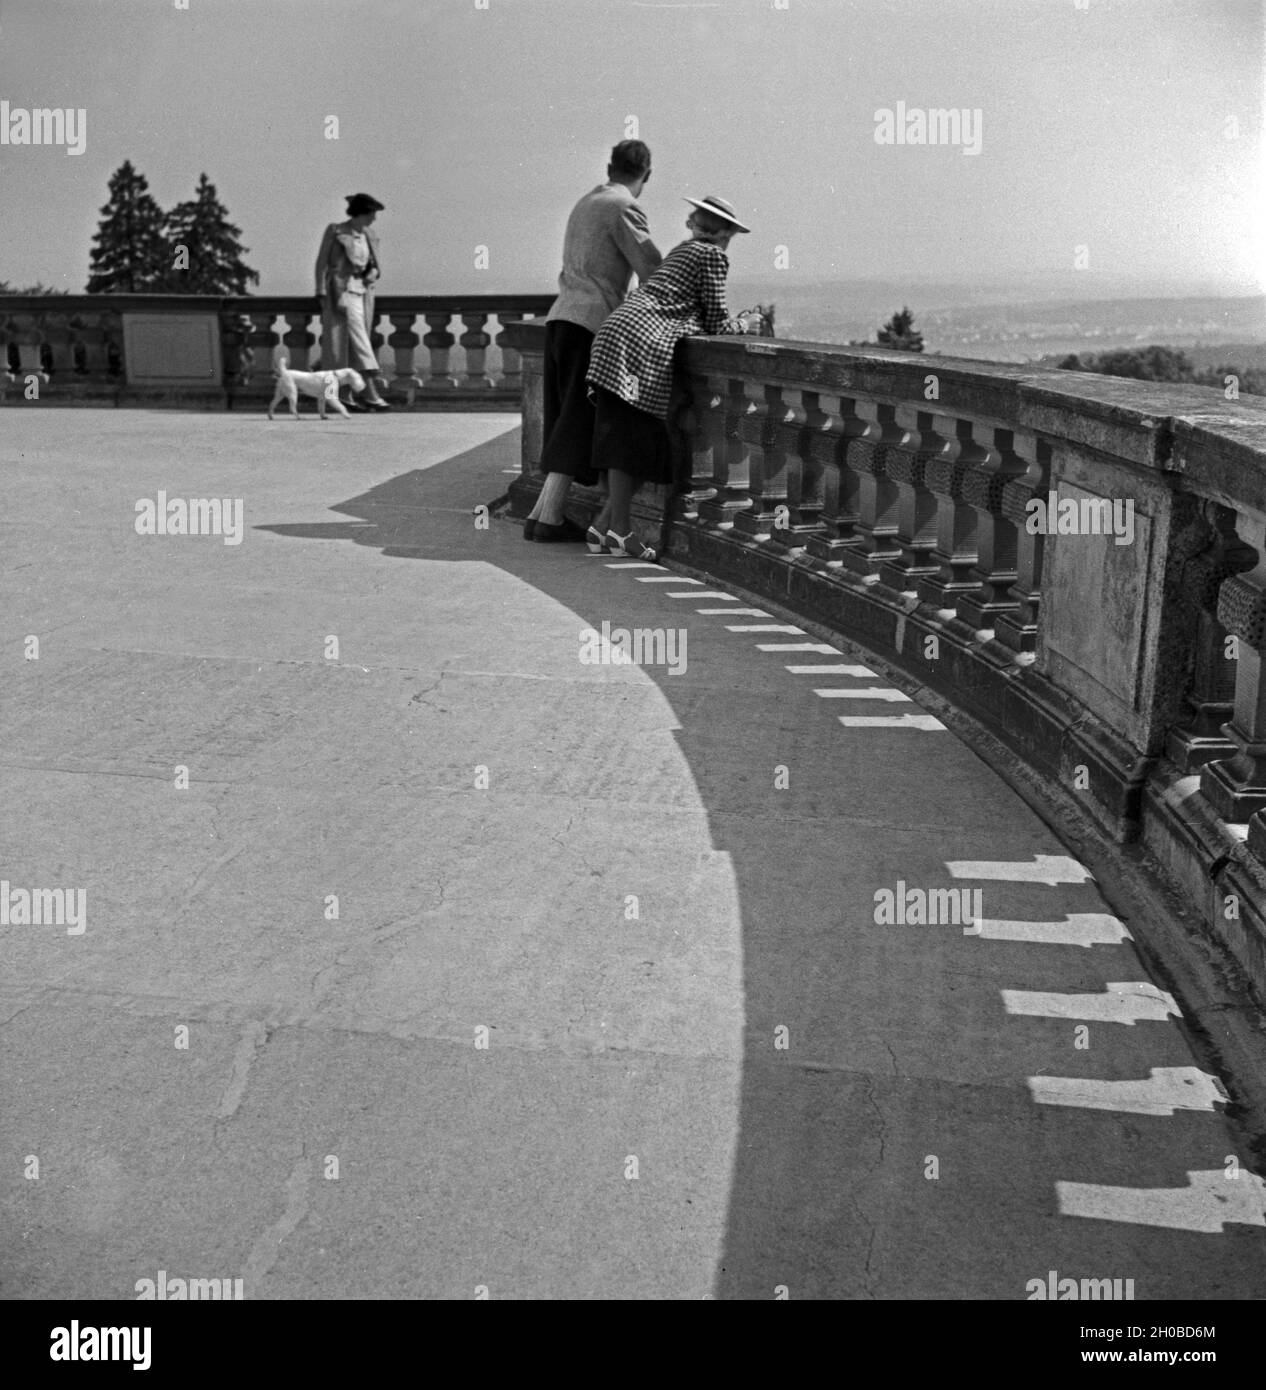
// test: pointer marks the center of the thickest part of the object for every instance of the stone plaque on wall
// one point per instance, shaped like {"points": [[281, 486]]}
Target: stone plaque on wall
{"points": [[1098, 608], [172, 349]]}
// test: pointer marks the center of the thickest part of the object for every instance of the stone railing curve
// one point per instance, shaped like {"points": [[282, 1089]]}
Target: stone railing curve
{"points": [[900, 500]]}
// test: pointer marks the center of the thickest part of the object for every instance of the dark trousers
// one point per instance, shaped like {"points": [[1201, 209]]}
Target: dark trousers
{"points": [[568, 423]]}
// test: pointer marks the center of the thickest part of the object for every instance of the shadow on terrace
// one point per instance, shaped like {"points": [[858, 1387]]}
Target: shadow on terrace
{"points": [[901, 1052]]}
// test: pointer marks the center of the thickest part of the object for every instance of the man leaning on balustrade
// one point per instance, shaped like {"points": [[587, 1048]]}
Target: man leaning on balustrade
{"points": [[606, 243]]}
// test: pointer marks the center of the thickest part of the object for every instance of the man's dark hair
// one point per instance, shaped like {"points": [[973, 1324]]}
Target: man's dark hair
{"points": [[632, 158]]}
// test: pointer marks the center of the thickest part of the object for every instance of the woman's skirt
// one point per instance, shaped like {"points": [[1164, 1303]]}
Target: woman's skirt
{"points": [[630, 440]]}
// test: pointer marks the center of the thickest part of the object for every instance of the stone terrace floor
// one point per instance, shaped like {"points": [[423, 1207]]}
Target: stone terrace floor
{"points": [[594, 868]]}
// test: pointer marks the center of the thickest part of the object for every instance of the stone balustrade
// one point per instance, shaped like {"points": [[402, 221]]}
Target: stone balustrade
{"points": [[202, 349], [1077, 562]]}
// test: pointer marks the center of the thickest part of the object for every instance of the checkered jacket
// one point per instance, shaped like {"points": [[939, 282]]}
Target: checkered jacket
{"points": [[632, 354]]}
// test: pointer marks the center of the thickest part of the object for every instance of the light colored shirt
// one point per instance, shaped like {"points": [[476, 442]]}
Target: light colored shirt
{"points": [[607, 242], [356, 244]]}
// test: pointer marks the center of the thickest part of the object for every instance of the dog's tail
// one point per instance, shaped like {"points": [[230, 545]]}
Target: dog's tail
{"points": [[282, 364]]}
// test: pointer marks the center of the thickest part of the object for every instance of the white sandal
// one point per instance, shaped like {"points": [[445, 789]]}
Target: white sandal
{"points": [[619, 545]]}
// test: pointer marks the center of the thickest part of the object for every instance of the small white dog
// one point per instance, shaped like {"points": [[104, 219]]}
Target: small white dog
{"points": [[323, 385]]}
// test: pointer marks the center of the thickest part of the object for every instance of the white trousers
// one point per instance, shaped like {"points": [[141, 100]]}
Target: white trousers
{"points": [[351, 336]]}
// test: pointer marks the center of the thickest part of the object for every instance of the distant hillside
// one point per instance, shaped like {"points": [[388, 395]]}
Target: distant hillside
{"points": [[960, 322]]}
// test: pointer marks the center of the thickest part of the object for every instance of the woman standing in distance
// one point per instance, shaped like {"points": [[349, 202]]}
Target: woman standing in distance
{"points": [[346, 271], [631, 366]]}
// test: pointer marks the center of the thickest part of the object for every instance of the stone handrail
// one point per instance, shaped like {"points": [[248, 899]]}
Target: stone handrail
{"points": [[891, 497], [68, 348]]}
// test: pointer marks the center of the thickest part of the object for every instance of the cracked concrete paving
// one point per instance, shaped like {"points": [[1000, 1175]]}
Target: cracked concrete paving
{"points": [[782, 1069]]}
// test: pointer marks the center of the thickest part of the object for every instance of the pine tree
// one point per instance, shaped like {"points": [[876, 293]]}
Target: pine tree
{"points": [[211, 262], [899, 332], [130, 254]]}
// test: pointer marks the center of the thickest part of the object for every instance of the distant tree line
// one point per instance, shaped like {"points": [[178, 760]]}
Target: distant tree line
{"points": [[1153, 363], [899, 333], [1157, 363], [139, 249], [39, 287]]}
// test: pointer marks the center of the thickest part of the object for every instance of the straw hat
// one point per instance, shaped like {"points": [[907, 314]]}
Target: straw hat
{"points": [[718, 207]]}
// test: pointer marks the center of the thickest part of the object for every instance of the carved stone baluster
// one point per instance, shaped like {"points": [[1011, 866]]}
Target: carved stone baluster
{"points": [[25, 331], [707, 443], [1211, 698], [1236, 787], [439, 343], [1018, 630], [767, 466], [235, 333], [262, 341], [511, 366], [59, 349], [299, 341], [78, 348], [731, 460], [830, 429], [806, 484], [112, 327], [955, 550], [475, 345], [404, 343], [376, 341], [877, 495], [906, 463], [97, 331], [801, 422], [996, 539]]}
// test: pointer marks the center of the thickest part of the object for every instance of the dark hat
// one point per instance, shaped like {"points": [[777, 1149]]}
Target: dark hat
{"points": [[359, 203]]}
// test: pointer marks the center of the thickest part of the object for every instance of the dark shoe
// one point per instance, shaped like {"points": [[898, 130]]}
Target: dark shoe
{"points": [[378, 406], [529, 530], [566, 530], [355, 407]]}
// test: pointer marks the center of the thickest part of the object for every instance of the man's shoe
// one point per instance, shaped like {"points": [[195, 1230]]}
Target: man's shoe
{"points": [[378, 406], [355, 407], [529, 530], [565, 530]]}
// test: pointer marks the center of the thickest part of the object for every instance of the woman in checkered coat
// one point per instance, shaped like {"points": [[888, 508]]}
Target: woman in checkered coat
{"points": [[631, 367]]}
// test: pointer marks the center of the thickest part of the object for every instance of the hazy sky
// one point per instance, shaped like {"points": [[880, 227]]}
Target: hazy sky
{"points": [[479, 123]]}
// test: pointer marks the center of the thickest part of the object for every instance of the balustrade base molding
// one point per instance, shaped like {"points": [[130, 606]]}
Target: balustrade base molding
{"points": [[1235, 797], [648, 508], [1046, 727], [1190, 751], [1220, 881]]}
